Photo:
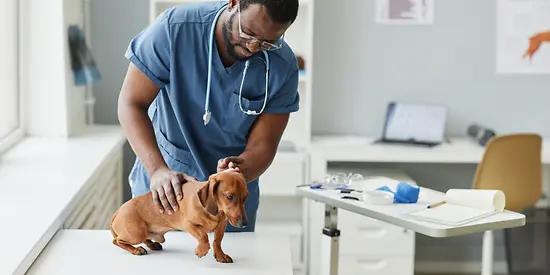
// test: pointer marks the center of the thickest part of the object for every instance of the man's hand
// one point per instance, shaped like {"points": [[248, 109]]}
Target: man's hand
{"points": [[231, 163], [166, 188]]}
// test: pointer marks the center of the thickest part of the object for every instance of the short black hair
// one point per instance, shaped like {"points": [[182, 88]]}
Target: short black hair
{"points": [[280, 11]]}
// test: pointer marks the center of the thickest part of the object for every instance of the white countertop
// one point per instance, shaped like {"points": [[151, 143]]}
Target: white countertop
{"points": [[92, 252], [41, 179], [357, 148]]}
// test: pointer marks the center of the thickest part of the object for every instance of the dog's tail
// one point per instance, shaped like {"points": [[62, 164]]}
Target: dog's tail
{"points": [[111, 225]]}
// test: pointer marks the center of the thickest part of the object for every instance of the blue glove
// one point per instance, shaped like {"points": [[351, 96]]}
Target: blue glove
{"points": [[405, 193]]}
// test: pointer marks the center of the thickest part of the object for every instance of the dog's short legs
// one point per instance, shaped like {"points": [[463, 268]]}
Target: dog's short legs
{"points": [[202, 238], [130, 248], [220, 256], [153, 245]]}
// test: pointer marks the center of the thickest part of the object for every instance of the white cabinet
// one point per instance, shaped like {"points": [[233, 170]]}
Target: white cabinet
{"points": [[285, 173], [100, 200]]}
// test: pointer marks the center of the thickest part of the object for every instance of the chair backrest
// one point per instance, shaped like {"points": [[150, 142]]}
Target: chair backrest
{"points": [[512, 163]]}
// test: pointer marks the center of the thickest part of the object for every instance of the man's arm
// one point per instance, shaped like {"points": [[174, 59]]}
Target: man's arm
{"points": [[266, 132], [263, 142], [137, 93]]}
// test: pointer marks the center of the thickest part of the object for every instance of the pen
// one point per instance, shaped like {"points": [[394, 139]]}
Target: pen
{"points": [[436, 204]]}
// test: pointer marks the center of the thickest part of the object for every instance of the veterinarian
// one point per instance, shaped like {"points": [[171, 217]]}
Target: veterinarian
{"points": [[186, 106]]}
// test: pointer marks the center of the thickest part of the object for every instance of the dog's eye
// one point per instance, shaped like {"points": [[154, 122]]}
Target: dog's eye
{"points": [[229, 197]]}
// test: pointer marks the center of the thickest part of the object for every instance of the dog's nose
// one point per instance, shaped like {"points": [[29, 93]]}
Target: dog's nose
{"points": [[242, 223]]}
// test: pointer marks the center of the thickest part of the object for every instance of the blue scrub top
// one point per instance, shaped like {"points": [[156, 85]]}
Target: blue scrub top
{"points": [[173, 53]]}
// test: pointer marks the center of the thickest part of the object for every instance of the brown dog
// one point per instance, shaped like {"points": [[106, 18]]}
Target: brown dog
{"points": [[205, 207]]}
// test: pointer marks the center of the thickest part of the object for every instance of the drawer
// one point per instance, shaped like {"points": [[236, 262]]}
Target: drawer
{"points": [[366, 236], [283, 175], [375, 265], [377, 240]]}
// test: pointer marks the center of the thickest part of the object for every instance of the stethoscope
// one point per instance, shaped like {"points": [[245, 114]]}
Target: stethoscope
{"points": [[207, 114]]}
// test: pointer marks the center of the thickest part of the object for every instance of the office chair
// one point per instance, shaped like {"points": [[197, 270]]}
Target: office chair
{"points": [[511, 163]]}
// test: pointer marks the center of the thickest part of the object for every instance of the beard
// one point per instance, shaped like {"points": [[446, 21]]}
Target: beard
{"points": [[229, 47]]}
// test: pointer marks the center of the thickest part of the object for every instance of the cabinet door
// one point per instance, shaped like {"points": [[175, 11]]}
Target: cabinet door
{"points": [[283, 175]]}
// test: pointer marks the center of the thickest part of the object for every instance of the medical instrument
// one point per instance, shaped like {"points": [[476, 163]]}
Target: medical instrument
{"points": [[207, 114], [350, 198], [378, 197]]}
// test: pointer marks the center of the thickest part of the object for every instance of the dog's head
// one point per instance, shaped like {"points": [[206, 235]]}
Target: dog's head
{"points": [[229, 191]]}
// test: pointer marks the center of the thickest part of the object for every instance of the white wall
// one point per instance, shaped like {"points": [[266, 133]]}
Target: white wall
{"points": [[53, 105]]}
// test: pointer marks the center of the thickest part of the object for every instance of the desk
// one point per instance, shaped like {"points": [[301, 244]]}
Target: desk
{"points": [[393, 214], [86, 252], [363, 149], [327, 149]]}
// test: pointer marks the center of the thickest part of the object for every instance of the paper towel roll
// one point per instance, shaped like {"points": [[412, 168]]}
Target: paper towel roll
{"points": [[477, 198]]}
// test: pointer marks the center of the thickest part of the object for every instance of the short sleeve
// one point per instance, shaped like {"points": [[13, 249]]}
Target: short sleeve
{"points": [[287, 98], [150, 51]]}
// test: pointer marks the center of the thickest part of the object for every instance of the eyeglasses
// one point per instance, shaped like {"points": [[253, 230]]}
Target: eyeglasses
{"points": [[249, 39]]}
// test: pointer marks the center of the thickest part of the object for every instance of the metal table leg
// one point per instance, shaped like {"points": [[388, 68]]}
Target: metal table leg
{"points": [[330, 242], [487, 255]]}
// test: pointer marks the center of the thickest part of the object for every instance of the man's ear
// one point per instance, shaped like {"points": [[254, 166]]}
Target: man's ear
{"points": [[232, 5]]}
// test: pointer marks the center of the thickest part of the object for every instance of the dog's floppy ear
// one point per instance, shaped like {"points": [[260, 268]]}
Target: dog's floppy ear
{"points": [[213, 182], [208, 190]]}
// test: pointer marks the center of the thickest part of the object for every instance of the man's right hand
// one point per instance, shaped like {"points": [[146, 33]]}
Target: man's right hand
{"points": [[166, 189]]}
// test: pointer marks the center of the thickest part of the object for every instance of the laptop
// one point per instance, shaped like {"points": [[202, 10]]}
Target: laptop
{"points": [[420, 124]]}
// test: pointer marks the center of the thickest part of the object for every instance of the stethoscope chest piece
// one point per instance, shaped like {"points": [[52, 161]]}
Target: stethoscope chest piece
{"points": [[206, 117]]}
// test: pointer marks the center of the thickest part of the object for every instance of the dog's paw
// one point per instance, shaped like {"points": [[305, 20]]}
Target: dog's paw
{"points": [[202, 250], [153, 245], [140, 251], [223, 258], [156, 246]]}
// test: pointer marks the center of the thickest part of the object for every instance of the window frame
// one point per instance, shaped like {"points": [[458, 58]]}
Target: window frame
{"points": [[18, 134]]}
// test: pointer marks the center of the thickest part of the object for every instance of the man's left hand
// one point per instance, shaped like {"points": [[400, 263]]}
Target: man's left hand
{"points": [[231, 162]]}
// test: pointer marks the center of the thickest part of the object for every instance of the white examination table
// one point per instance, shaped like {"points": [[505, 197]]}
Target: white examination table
{"points": [[86, 252]]}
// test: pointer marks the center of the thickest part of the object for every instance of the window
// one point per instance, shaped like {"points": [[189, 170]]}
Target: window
{"points": [[11, 128]]}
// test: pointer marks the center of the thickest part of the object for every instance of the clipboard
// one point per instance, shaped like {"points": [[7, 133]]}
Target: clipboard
{"points": [[419, 124]]}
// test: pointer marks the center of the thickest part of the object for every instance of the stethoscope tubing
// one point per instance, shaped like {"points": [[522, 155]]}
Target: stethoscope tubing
{"points": [[207, 114]]}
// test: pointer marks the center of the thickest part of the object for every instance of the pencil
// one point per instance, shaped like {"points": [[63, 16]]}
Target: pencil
{"points": [[436, 204]]}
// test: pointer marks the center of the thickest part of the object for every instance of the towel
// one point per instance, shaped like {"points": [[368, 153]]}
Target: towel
{"points": [[82, 62], [405, 193]]}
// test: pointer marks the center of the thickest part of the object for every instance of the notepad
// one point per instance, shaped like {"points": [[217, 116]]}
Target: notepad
{"points": [[463, 206]]}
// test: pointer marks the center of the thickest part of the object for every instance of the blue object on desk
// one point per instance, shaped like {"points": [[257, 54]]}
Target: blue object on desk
{"points": [[405, 193]]}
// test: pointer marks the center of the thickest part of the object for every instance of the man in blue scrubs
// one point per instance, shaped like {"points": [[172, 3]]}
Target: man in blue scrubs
{"points": [[163, 97]]}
